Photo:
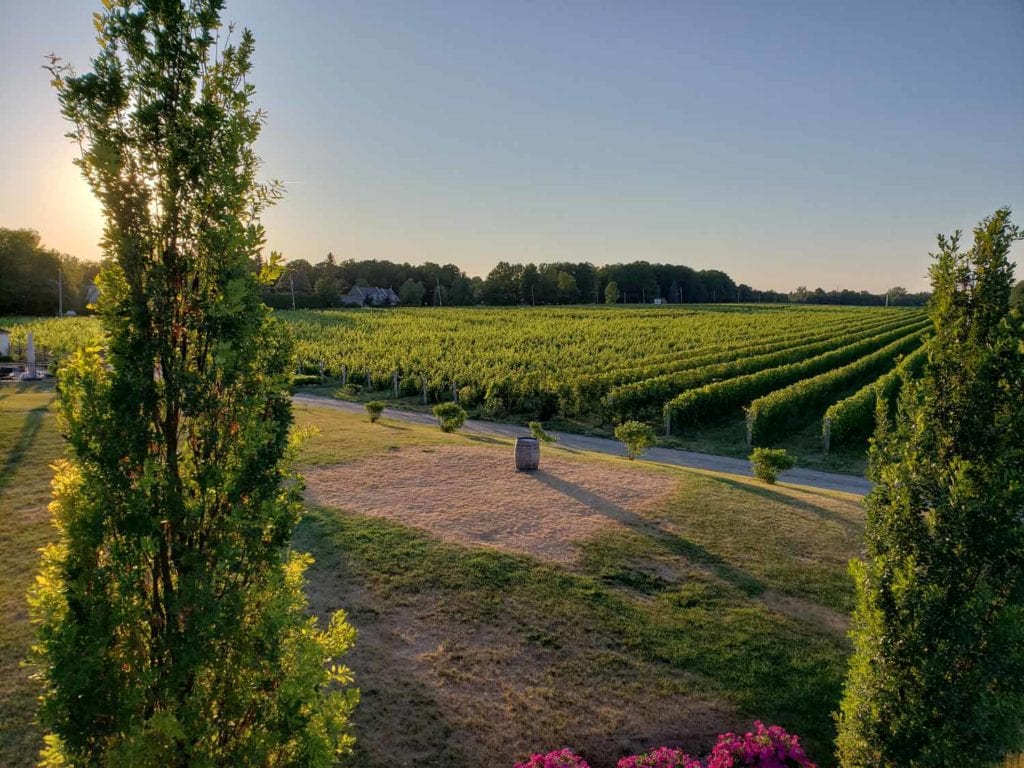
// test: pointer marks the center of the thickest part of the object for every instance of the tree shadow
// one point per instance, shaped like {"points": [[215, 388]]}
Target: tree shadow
{"points": [[29, 430], [674, 543], [804, 506], [392, 427], [399, 718], [487, 440]]}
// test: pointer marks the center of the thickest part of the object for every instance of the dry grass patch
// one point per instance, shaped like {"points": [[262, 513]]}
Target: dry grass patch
{"points": [[473, 496]]}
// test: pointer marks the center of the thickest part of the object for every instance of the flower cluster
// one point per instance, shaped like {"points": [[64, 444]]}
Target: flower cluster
{"points": [[662, 757], [767, 748], [770, 747], [563, 758]]}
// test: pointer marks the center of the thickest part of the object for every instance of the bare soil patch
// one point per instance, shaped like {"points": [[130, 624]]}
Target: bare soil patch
{"points": [[473, 496], [437, 691]]}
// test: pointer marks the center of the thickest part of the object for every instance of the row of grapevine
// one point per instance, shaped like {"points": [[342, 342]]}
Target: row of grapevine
{"points": [[852, 419], [772, 414], [585, 392], [642, 399], [712, 401], [669, 362]]}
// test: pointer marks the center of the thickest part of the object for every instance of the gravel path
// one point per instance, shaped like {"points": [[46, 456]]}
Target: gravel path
{"points": [[726, 464]]}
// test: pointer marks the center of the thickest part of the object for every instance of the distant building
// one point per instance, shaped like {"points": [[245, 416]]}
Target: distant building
{"points": [[374, 297]]}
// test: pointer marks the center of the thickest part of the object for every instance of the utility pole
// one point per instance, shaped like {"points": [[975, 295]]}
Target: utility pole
{"points": [[60, 288], [291, 282], [438, 283]]}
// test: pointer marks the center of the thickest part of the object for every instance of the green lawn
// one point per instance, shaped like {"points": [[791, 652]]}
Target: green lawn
{"points": [[723, 604]]}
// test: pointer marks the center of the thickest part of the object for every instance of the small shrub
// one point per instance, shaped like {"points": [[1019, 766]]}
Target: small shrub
{"points": [[305, 379], [636, 436], [563, 758], [769, 462], [450, 416], [375, 408], [768, 748], [349, 390], [662, 757], [537, 430]]}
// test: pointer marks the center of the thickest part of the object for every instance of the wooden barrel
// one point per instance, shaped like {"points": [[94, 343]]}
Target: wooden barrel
{"points": [[527, 454]]}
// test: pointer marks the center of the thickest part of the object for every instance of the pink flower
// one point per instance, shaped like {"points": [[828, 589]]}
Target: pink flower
{"points": [[662, 757], [767, 748], [562, 758]]}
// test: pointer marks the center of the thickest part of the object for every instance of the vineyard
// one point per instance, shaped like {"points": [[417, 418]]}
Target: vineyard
{"points": [[679, 368]]}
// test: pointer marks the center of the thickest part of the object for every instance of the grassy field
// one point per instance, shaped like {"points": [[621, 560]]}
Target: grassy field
{"points": [[720, 602]]}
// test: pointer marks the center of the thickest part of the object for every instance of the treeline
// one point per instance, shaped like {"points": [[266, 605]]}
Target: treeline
{"points": [[35, 280], [322, 284]]}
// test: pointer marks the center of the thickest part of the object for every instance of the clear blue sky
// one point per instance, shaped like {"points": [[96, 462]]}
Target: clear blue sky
{"points": [[817, 143]]}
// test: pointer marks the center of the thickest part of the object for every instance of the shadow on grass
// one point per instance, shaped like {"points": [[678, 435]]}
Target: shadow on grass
{"points": [[487, 440], [767, 493], [672, 542], [399, 719], [29, 430]]}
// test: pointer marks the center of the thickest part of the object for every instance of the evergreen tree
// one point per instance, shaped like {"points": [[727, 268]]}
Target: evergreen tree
{"points": [[937, 674], [173, 630]]}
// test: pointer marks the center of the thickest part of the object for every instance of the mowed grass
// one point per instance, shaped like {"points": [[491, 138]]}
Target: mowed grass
{"points": [[723, 604], [29, 442]]}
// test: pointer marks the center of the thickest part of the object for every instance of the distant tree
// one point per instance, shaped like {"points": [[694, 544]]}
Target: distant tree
{"points": [[172, 626], [1017, 296], [328, 289], [37, 280], [503, 284], [462, 293], [568, 293], [611, 293], [937, 673], [411, 293]]}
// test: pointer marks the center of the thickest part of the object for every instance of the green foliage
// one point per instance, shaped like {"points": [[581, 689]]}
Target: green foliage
{"points": [[305, 379], [853, 418], [645, 394], [767, 463], [712, 401], [30, 284], [937, 674], [611, 293], [450, 416], [537, 430], [1017, 296], [636, 436], [172, 625], [772, 416], [375, 408], [411, 293]]}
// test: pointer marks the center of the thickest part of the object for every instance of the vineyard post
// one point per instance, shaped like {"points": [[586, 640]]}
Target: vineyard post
{"points": [[455, 391], [423, 381], [826, 434], [369, 380], [750, 428], [344, 375], [321, 371], [668, 423], [394, 382]]}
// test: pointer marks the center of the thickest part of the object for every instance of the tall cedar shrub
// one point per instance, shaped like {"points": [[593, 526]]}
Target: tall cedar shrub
{"points": [[172, 625], [937, 674]]}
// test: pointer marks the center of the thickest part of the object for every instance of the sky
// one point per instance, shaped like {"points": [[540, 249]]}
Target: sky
{"points": [[816, 143]]}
